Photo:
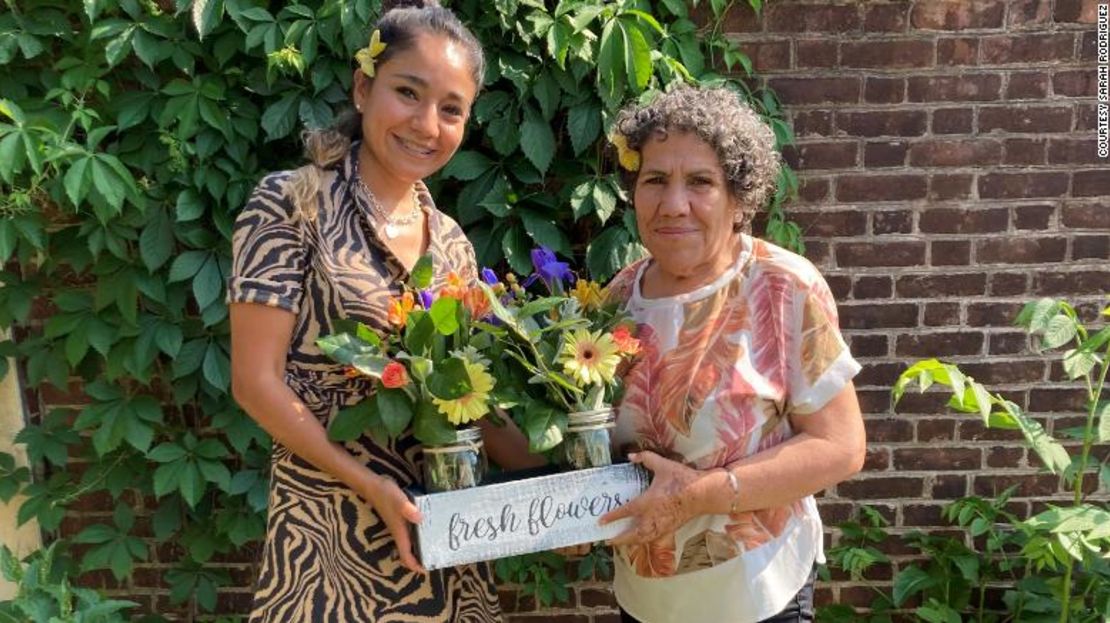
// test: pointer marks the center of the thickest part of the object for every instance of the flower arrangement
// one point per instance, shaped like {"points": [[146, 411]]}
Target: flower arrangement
{"points": [[567, 343], [428, 372]]}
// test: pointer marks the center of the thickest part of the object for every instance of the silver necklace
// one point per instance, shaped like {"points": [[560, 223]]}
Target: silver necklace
{"points": [[393, 226]]}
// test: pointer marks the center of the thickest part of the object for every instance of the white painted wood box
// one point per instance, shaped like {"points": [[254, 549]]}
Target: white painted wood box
{"points": [[523, 516]]}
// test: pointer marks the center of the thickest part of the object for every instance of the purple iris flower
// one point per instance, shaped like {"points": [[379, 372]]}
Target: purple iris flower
{"points": [[426, 299], [551, 270], [490, 277]]}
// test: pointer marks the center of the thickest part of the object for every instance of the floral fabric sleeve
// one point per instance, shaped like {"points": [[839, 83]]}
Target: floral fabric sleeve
{"points": [[821, 364]]}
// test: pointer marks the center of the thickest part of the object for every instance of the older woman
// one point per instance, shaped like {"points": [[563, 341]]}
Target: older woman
{"points": [[742, 403]]}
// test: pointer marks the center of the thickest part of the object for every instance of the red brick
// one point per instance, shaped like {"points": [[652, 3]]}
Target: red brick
{"points": [[813, 190], [938, 459], [813, 123], [923, 515], [957, 51], [872, 287], [1005, 372], [940, 315], [943, 187], [1071, 283], [768, 55], [809, 18], [962, 88], [868, 346], [838, 155], [877, 459], [1073, 151], [817, 90], [1024, 150], [881, 488], [952, 120], [882, 123], [1030, 13], [935, 286], [932, 430], [992, 314], [955, 153], [1086, 116], [886, 17], [1057, 400], [1020, 250], [950, 252], [828, 223], [1031, 485], [816, 53], [904, 53], [887, 253], [1025, 119], [1080, 11], [949, 487], [596, 598], [1075, 83], [1027, 48], [960, 221], [956, 15], [1035, 217], [1027, 85], [1088, 47], [871, 316], [885, 154], [939, 344], [1008, 284], [884, 90], [888, 430], [1090, 248], [891, 222], [1019, 185], [1009, 343], [1086, 215], [862, 188], [1091, 183]]}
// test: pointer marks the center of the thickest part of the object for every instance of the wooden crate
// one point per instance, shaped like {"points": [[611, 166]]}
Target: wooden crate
{"points": [[524, 515]]}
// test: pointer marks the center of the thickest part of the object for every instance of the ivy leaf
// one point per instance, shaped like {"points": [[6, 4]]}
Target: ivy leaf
{"points": [[395, 408], [909, 582], [207, 14], [156, 241], [584, 125], [281, 117], [467, 165], [544, 231], [537, 141]]}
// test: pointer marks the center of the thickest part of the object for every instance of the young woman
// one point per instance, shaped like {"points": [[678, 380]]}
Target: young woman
{"points": [[336, 239]]}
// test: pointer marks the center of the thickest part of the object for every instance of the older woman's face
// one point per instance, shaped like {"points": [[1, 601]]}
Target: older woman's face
{"points": [[684, 210]]}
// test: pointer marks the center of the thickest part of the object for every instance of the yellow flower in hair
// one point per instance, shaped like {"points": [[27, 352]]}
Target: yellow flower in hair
{"points": [[366, 56], [629, 159]]}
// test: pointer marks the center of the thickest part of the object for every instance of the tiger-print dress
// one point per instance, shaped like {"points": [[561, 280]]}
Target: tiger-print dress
{"points": [[327, 555]]}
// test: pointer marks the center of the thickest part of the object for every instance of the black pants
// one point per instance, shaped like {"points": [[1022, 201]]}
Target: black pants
{"points": [[798, 610]]}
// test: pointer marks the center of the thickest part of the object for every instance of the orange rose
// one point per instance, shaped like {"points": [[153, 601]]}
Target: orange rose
{"points": [[394, 375], [399, 310], [626, 344]]}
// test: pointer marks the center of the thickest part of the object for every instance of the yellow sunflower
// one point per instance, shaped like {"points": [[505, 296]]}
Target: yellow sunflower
{"points": [[473, 405], [590, 357]]}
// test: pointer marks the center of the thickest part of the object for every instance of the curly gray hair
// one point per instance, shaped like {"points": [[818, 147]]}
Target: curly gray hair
{"points": [[744, 143]]}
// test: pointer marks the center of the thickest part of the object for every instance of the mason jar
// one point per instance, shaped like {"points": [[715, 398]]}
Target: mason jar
{"points": [[458, 464], [586, 443]]}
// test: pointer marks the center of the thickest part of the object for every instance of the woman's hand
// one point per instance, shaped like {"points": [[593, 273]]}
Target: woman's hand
{"points": [[670, 501], [396, 511]]}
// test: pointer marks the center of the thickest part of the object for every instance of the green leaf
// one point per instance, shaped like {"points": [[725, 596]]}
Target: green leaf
{"points": [[76, 181], [281, 117], [449, 380], [445, 315], [909, 582], [584, 125], [1059, 331], [537, 141], [544, 232], [189, 205], [348, 423], [396, 410], [207, 14], [430, 426], [422, 273], [467, 165], [637, 56], [208, 282], [156, 242], [1036, 314], [1102, 413]]}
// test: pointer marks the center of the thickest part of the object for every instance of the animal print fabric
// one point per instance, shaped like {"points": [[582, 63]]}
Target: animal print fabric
{"points": [[327, 556]]}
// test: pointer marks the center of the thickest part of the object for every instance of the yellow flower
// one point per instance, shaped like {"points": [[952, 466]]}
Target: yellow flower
{"points": [[588, 294], [590, 357], [366, 56], [473, 405], [629, 159]]}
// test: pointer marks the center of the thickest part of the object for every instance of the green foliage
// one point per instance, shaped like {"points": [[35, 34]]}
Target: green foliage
{"points": [[1062, 573], [44, 594], [132, 131]]}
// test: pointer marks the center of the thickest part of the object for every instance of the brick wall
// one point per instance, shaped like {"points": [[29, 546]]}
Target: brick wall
{"points": [[947, 155], [949, 174]]}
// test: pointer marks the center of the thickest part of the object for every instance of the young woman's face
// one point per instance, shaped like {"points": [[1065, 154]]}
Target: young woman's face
{"points": [[415, 109]]}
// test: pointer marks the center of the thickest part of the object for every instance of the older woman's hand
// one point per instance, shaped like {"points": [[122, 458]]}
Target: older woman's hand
{"points": [[670, 501]]}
